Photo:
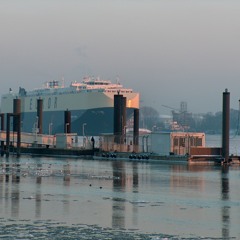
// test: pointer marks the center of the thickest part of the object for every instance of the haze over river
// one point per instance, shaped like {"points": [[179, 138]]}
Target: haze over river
{"points": [[60, 198]]}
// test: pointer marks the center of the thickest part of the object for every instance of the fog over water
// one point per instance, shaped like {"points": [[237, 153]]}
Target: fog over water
{"points": [[168, 50]]}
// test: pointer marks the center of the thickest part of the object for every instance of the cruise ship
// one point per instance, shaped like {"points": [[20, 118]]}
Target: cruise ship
{"points": [[91, 103]]}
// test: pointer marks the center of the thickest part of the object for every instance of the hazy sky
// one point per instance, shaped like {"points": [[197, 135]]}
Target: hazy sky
{"points": [[168, 50]]}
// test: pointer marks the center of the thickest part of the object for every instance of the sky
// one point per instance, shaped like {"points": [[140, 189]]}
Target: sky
{"points": [[168, 50]]}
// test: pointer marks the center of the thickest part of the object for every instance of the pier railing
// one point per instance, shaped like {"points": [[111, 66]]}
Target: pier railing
{"points": [[28, 139], [114, 143], [67, 141]]}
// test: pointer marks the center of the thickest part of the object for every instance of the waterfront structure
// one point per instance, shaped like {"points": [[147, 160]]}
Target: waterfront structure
{"points": [[91, 103], [160, 143], [176, 143]]}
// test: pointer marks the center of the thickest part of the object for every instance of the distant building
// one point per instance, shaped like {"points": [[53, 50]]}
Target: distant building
{"points": [[182, 118]]}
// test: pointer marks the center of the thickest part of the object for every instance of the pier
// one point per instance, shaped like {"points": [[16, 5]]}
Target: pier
{"points": [[64, 144], [171, 147], [218, 155]]}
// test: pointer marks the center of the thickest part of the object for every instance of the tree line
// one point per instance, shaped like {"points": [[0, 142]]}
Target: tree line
{"points": [[208, 122]]}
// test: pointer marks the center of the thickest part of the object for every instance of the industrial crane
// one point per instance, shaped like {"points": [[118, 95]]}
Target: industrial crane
{"points": [[180, 116]]}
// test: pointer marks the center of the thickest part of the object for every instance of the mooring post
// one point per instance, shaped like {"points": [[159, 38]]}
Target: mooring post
{"points": [[16, 111], [118, 118], [18, 119], [124, 120], [40, 115], [2, 129], [67, 121], [225, 125], [136, 130], [8, 134], [17, 122]]}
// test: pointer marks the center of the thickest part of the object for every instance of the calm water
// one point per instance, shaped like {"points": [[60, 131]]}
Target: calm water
{"points": [[52, 198]]}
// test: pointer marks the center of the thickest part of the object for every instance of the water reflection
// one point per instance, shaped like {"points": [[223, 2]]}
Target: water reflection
{"points": [[38, 196], [15, 194], [123, 183], [7, 168], [39, 176], [179, 179], [135, 190], [66, 174], [225, 198], [66, 182], [135, 176], [16, 170], [118, 204]]}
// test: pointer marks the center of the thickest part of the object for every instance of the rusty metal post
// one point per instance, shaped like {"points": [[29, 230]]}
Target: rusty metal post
{"points": [[225, 125], [8, 134], [117, 118], [18, 119], [2, 121], [136, 130], [16, 110], [67, 121], [40, 115], [2, 129], [124, 118]]}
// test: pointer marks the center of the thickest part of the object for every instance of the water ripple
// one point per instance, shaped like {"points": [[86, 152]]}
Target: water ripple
{"points": [[51, 230]]}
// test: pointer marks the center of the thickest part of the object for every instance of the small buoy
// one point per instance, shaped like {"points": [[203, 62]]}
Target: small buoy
{"points": [[90, 185]]}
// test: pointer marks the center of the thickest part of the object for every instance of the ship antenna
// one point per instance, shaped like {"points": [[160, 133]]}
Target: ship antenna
{"points": [[118, 80]]}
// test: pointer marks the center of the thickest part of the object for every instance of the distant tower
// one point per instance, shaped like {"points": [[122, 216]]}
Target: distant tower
{"points": [[183, 107]]}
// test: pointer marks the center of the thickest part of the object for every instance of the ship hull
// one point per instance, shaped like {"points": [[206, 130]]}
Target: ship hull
{"points": [[96, 121]]}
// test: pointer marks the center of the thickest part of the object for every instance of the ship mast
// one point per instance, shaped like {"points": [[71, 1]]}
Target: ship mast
{"points": [[63, 81]]}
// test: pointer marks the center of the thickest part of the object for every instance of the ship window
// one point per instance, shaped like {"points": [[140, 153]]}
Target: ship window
{"points": [[30, 106], [55, 102], [175, 142], [49, 102], [198, 141], [192, 141], [182, 142]]}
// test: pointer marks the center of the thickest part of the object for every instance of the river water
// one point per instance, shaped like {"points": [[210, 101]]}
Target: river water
{"points": [[60, 198]]}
